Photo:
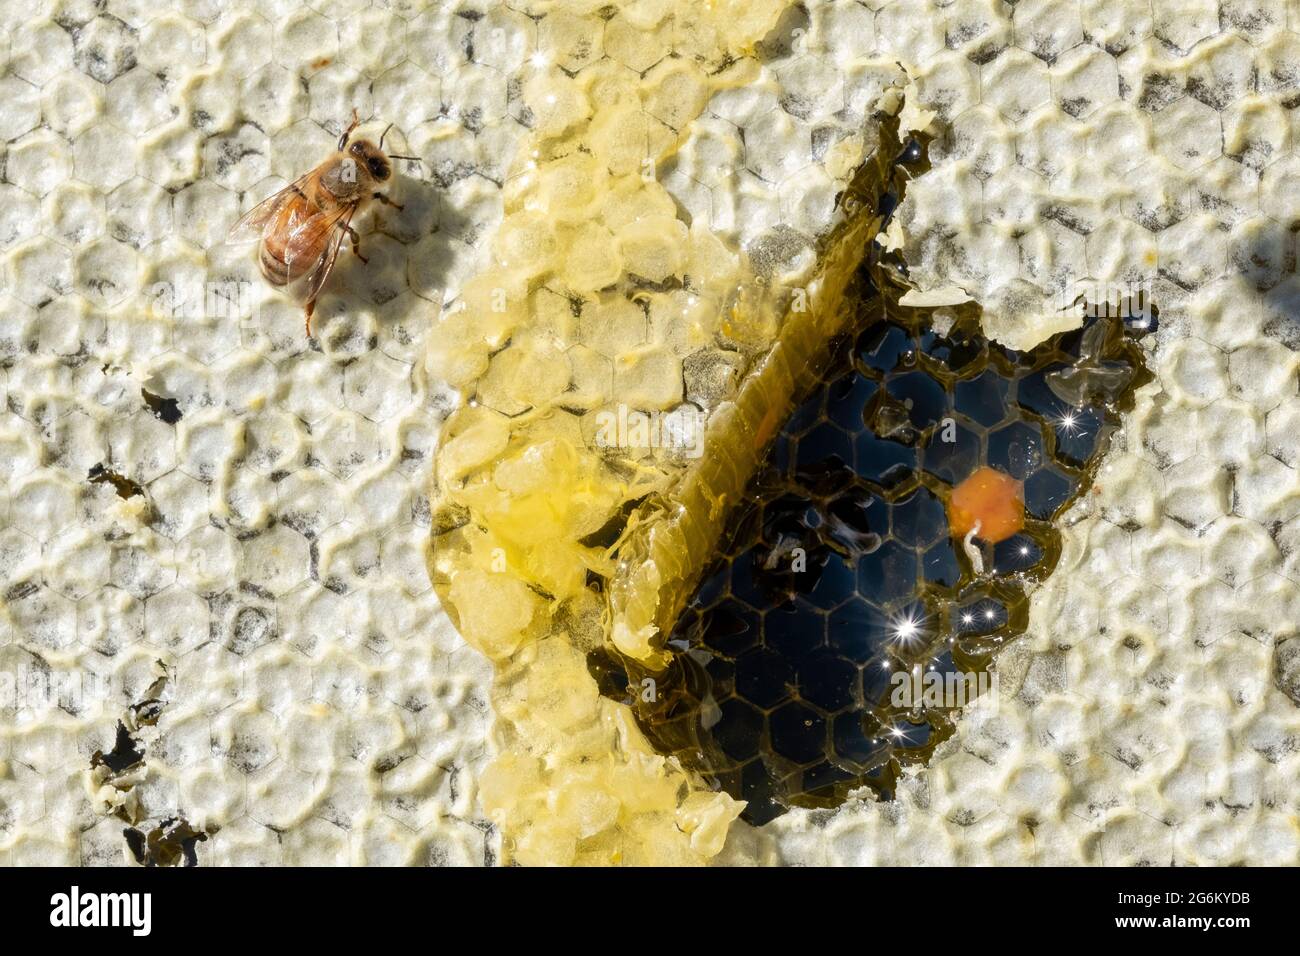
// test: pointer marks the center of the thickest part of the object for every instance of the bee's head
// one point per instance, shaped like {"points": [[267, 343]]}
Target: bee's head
{"points": [[370, 156]]}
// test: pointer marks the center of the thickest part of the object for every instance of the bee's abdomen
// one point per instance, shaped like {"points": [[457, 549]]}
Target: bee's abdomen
{"points": [[275, 269]]}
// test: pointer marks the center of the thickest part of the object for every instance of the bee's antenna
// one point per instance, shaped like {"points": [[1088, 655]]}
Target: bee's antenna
{"points": [[415, 159], [347, 133], [383, 134]]}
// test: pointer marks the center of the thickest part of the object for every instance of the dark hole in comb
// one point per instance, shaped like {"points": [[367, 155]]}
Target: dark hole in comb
{"points": [[838, 581]]}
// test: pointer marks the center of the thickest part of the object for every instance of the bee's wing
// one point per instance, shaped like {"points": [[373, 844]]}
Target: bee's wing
{"points": [[252, 223], [338, 222]]}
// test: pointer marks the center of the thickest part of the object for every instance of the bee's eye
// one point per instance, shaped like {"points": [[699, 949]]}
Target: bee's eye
{"points": [[378, 168], [358, 148]]}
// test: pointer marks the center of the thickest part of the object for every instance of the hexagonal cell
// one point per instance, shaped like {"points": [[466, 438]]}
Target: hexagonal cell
{"points": [[20, 215], [38, 162], [73, 213], [1159, 200], [949, 86], [334, 92], [1255, 132], [1197, 371], [940, 566], [403, 559], [104, 48], [412, 792], [1233, 429], [345, 443], [1258, 250], [207, 448], [277, 560], [1015, 84], [434, 41], [204, 213], [1278, 182], [142, 571], [952, 451], [243, 621], [138, 102], [245, 43], [476, 96], [170, 38], [79, 562], [349, 557], [634, 46], [1262, 492], [1149, 73], [41, 271], [857, 630], [885, 346], [40, 51], [107, 272], [921, 400], [1183, 25], [1222, 72], [983, 399], [1263, 373], [798, 732], [730, 627], [1048, 28], [207, 557], [176, 621], [738, 731], [371, 40], [889, 573], [274, 95], [401, 95], [141, 447], [1188, 133], [850, 402], [306, 41], [1116, 28], [47, 502], [246, 741], [180, 503], [918, 520], [20, 554], [23, 107], [776, 145], [240, 159], [883, 461], [139, 213], [1084, 80], [826, 680], [169, 156], [1276, 55], [1280, 302], [577, 41], [42, 617]]}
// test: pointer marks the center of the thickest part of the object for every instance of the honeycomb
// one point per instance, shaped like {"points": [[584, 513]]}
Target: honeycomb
{"points": [[839, 571]]}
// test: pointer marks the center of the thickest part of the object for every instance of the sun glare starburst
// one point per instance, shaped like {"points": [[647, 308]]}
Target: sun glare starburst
{"points": [[1069, 422], [907, 626]]}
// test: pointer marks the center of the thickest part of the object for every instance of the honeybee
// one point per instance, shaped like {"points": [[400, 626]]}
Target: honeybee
{"points": [[301, 228]]}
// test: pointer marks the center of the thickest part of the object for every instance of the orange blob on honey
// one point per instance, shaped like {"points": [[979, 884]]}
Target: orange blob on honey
{"points": [[994, 500]]}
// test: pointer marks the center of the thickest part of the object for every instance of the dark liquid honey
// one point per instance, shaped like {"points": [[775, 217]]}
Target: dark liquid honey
{"points": [[838, 572]]}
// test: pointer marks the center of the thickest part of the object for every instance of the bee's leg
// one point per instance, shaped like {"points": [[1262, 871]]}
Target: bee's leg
{"points": [[388, 202], [356, 243], [309, 308]]}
